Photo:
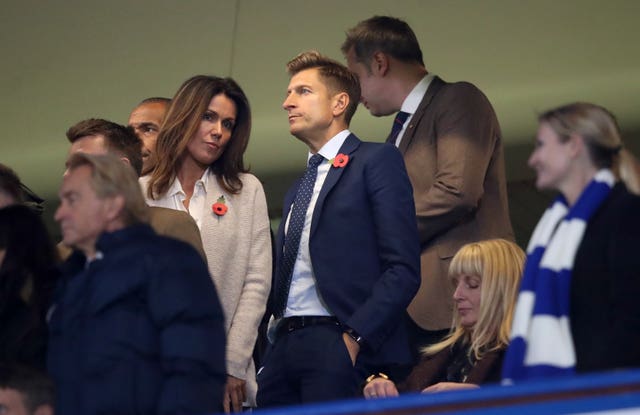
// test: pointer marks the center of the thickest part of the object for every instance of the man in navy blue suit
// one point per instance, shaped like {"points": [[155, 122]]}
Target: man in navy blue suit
{"points": [[347, 250]]}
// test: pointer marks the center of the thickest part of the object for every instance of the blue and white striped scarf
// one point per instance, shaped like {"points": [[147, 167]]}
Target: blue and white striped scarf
{"points": [[541, 344]]}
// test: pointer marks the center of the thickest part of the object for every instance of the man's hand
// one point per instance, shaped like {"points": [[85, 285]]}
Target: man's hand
{"points": [[449, 386], [352, 347], [234, 394], [380, 388]]}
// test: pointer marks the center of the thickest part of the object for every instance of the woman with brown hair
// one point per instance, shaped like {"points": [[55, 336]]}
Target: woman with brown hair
{"points": [[201, 171]]}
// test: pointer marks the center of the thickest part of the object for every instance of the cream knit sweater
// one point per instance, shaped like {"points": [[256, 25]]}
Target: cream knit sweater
{"points": [[238, 249]]}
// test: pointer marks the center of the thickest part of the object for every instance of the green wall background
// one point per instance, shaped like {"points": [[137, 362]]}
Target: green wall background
{"points": [[66, 61]]}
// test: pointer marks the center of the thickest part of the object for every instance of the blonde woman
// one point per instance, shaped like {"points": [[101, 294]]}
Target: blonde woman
{"points": [[485, 275], [577, 309]]}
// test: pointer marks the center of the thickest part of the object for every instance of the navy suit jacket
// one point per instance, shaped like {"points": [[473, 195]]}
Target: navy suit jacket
{"points": [[364, 247]]}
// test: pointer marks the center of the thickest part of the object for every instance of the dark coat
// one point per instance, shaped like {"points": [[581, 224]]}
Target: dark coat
{"points": [[138, 331], [23, 335], [605, 287], [432, 369]]}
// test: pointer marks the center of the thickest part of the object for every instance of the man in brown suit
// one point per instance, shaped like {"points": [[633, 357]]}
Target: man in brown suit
{"points": [[97, 136], [450, 138]]}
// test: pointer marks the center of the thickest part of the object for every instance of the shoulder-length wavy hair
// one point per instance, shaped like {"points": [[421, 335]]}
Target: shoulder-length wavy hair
{"points": [[499, 264], [181, 124]]}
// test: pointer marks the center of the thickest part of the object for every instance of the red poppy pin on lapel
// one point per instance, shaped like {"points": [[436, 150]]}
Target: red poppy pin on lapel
{"points": [[340, 160], [220, 207]]}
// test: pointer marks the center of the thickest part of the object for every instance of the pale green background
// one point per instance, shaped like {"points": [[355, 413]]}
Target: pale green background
{"points": [[69, 60]]}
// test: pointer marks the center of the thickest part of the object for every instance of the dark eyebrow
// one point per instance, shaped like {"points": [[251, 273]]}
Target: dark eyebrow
{"points": [[145, 124]]}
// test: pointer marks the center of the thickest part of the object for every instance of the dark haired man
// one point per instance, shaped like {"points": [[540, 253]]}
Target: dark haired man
{"points": [[450, 139], [146, 119]]}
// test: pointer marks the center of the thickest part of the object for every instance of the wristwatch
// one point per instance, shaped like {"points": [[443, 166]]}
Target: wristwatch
{"points": [[376, 376], [355, 336]]}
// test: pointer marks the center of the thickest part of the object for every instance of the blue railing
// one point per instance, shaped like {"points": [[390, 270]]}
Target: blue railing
{"points": [[604, 393]]}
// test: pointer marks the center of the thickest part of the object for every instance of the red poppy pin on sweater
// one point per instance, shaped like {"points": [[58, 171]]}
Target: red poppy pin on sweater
{"points": [[220, 207], [339, 161]]}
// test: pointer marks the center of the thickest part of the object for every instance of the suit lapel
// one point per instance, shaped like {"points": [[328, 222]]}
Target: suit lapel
{"points": [[409, 133], [348, 147]]}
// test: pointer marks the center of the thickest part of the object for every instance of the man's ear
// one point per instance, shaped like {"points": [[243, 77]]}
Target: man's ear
{"points": [[340, 103], [125, 160], [114, 206], [380, 63]]}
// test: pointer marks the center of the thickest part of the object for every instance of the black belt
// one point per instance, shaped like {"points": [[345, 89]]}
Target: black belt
{"points": [[289, 324]]}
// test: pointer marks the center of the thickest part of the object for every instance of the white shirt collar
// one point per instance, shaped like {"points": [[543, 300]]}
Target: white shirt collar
{"points": [[412, 101], [176, 187], [330, 149]]}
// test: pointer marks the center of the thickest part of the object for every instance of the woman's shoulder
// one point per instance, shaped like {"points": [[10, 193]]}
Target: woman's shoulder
{"points": [[251, 185], [144, 181], [621, 204], [625, 196], [248, 179]]}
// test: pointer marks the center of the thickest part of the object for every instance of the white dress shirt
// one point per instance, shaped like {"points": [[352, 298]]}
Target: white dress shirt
{"points": [[304, 298], [175, 196], [412, 102]]}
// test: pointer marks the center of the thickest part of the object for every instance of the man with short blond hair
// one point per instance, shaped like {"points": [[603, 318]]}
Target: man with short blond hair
{"points": [[346, 251]]}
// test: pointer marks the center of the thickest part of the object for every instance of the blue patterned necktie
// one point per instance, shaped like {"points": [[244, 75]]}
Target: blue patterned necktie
{"points": [[294, 232], [398, 123]]}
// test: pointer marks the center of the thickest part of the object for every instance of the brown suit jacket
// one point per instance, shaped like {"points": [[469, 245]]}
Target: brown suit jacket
{"points": [[167, 222], [453, 152], [176, 224]]}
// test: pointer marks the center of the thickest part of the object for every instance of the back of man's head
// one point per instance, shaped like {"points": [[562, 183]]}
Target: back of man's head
{"points": [[120, 140], [34, 390], [385, 34]]}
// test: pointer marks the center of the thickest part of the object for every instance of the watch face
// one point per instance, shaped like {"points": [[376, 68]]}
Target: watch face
{"points": [[355, 336]]}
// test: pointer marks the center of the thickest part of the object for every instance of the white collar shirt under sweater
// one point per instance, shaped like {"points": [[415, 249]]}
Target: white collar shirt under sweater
{"points": [[238, 250]]}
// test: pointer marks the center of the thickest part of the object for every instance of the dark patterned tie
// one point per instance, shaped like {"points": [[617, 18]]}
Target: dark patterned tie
{"points": [[294, 232], [398, 123]]}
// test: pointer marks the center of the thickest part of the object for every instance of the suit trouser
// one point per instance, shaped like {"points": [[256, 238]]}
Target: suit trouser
{"points": [[311, 364]]}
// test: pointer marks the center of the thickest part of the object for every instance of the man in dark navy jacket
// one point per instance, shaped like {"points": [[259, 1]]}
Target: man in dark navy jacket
{"points": [[347, 249], [136, 326]]}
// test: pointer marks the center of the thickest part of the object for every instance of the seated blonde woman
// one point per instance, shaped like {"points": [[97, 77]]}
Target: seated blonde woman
{"points": [[486, 276]]}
